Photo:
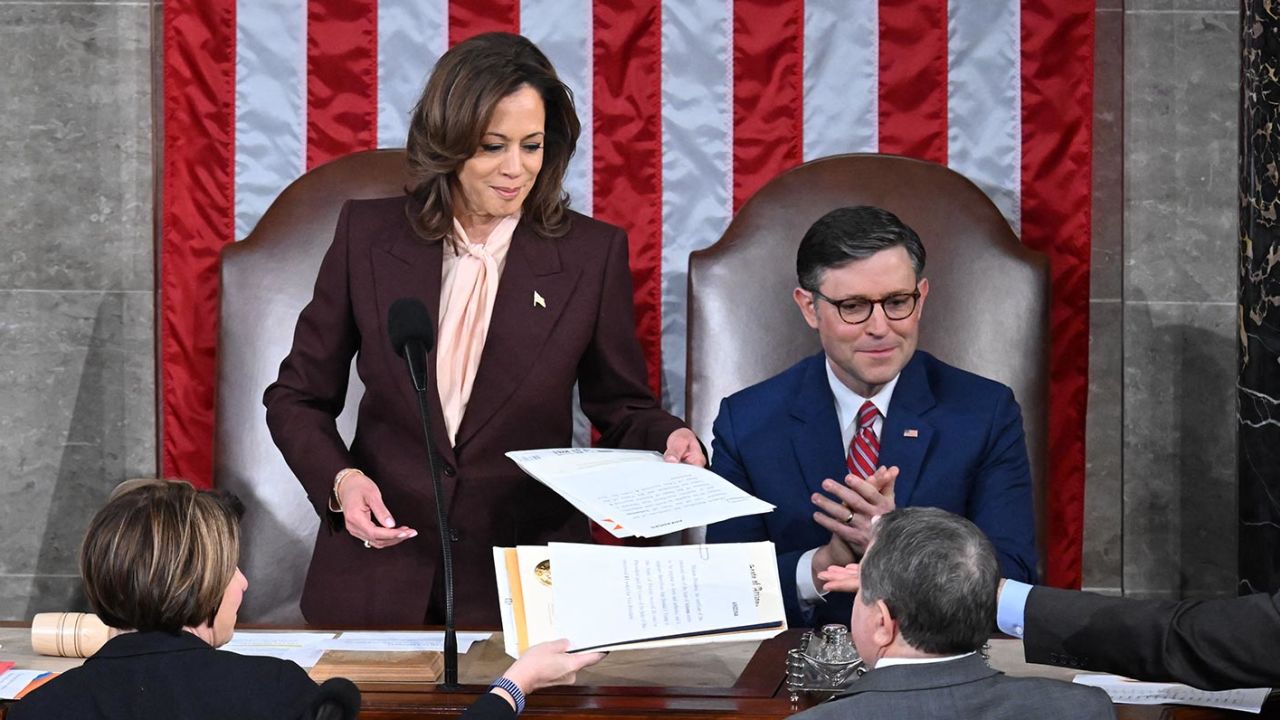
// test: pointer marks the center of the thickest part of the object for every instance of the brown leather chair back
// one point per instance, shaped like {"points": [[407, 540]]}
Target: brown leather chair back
{"points": [[988, 303], [266, 280]]}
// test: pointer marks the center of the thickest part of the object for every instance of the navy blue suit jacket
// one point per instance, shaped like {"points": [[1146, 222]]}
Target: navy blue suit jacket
{"points": [[780, 439]]}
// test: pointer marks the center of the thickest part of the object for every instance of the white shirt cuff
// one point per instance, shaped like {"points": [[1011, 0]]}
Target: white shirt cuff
{"points": [[1011, 612], [807, 592]]}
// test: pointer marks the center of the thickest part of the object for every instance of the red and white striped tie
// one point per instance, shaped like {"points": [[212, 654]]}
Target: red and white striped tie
{"points": [[864, 448]]}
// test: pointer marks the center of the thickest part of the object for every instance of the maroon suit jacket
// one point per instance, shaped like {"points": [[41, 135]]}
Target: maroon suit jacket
{"points": [[522, 399]]}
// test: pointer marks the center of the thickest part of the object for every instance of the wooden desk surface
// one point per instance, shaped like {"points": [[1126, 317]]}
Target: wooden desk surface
{"points": [[739, 680]]}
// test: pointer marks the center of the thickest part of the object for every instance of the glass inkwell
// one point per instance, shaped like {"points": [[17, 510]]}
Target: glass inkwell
{"points": [[824, 663]]}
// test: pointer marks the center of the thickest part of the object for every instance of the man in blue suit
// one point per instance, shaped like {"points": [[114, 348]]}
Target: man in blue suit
{"points": [[870, 423]]}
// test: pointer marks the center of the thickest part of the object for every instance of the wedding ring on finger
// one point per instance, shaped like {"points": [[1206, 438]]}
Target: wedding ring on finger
{"points": [[368, 544], [849, 520]]}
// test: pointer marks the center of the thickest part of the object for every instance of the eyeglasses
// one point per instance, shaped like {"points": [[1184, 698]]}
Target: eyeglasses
{"points": [[857, 310]]}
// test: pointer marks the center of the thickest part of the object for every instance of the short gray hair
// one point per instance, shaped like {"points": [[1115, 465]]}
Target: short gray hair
{"points": [[938, 574]]}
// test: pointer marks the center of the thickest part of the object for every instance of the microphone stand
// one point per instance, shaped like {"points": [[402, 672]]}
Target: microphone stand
{"points": [[412, 354]]}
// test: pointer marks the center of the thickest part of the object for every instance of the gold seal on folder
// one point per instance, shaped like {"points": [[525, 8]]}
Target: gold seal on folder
{"points": [[542, 571]]}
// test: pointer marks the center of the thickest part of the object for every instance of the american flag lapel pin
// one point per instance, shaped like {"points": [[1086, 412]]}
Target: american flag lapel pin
{"points": [[538, 300], [911, 433]]}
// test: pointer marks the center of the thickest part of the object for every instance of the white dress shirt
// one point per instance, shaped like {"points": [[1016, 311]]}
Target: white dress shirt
{"points": [[891, 661], [848, 403]]}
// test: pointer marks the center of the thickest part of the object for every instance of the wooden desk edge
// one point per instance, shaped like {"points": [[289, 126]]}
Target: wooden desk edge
{"points": [[758, 694]]}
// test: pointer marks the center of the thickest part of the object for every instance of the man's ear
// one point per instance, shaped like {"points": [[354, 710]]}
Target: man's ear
{"points": [[886, 628], [923, 287], [808, 307]]}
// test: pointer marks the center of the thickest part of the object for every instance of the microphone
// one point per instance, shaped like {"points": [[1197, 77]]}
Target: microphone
{"points": [[338, 699], [410, 328], [412, 334]]}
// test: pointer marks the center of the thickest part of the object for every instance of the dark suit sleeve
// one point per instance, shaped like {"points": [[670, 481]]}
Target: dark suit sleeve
{"points": [[612, 377], [727, 463], [295, 692], [1000, 503], [489, 706], [307, 397], [1210, 644]]}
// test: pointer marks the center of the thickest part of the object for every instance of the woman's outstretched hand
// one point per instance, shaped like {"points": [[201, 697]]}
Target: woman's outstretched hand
{"points": [[683, 447], [547, 664]]}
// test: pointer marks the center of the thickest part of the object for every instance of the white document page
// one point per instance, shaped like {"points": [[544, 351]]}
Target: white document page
{"points": [[412, 641], [303, 648], [253, 638], [306, 657], [611, 595], [533, 615], [13, 681], [547, 465], [637, 493], [535, 584], [1133, 692], [566, 461]]}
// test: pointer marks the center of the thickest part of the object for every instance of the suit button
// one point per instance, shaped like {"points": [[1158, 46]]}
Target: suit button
{"points": [[450, 470], [453, 534]]}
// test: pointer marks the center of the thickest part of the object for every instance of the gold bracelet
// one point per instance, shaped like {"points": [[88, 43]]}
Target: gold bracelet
{"points": [[335, 501]]}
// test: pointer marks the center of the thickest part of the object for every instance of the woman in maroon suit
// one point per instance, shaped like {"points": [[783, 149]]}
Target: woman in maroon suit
{"points": [[529, 298]]}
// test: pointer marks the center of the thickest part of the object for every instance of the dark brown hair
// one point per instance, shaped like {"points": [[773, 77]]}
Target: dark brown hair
{"points": [[453, 113], [853, 233], [160, 554]]}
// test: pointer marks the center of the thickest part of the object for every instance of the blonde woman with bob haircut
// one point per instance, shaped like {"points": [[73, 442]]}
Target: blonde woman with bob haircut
{"points": [[528, 300], [159, 563]]}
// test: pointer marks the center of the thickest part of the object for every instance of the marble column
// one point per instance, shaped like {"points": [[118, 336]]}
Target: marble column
{"points": [[1258, 391], [77, 377], [1178, 302]]}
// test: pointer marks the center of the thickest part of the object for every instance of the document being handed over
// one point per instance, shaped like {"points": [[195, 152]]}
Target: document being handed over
{"points": [[635, 493], [605, 597]]}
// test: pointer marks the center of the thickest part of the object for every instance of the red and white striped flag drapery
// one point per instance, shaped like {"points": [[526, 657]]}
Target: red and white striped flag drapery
{"points": [[688, 107]]}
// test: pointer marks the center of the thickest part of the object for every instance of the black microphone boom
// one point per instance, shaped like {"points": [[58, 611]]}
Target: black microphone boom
{"points": [[411, 330]]}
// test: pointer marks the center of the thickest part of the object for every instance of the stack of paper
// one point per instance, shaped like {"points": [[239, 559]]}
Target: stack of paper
{"points": [[636, 493], [408, 641], [1132, 692], [306, 648], [622, 598]]}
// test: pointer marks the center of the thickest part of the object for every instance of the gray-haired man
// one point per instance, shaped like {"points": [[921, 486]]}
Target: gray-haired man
{"points": [[925, 607]]}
